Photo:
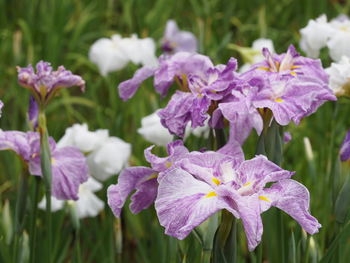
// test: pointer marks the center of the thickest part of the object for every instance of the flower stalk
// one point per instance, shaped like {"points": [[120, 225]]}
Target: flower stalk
{"points": [[33, 220], [20, 217], [45, 159]]}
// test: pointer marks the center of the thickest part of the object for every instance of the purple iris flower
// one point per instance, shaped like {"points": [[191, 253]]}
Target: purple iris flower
{"points": [[203, 183], [44, 83], [201, 86], [176, 40], [143, 180], [289, 65], [69, 168], [345, 148], [290, 85]]}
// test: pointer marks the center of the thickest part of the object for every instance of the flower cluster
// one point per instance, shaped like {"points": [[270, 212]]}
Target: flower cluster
{"points": [[188, 187], [289, 85], [334, 35]]}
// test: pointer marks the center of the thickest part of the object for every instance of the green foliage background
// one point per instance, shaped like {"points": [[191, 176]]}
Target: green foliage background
{"points": [[61, 31]]}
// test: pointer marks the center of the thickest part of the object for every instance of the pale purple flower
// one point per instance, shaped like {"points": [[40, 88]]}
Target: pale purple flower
{"points": [[345, 148], [200, 85], [175, 40], [204, 88], [289, 65], [290, 85], [44, 82], [69, 168], [143, 180], [204, 183], [170, 69]]}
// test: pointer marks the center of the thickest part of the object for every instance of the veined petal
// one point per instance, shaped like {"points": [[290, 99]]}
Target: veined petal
{"points": [[260, 171], [184, 202], [130, 179], [69, 170], [293, 198], [128, 88]]}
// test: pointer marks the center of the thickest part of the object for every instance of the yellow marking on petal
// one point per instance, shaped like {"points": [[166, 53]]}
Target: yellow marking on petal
{"points": [[168, 164], [152, 176], [34, 155], [263, 68], [295, 67], [215, 180], [264, 198], [211, 194], [246, 184], [53, 161], [279, 100], [293, 73]]}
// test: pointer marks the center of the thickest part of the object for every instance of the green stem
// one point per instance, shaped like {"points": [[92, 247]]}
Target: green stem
{"points": [[45, 158], [20, 216], [281, 235], [225, 240], [206, 256], [33, 220]]}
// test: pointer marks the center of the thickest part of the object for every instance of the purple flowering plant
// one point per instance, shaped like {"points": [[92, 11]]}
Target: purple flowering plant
{"points": [[189, 187]]}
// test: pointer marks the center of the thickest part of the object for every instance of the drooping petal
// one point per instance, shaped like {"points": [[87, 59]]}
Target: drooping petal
{"points": [[15, 141], [184, 202], [294, 199], [128, 88], [69, 170], [130, 179]]}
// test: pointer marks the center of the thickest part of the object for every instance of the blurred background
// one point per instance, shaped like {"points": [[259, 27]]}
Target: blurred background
{"points": [[62, 31]]}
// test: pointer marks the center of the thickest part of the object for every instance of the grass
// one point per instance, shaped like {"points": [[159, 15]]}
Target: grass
{"points": [[61, 31]]}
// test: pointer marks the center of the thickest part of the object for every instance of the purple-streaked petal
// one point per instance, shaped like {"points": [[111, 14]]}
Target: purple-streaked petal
{"points": [[183, 108], [130, 179], [260, 171], [47, 79], [294, 199], [69, 170], [184, 202], [128, 88], [175, 149], [15, 141]]}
